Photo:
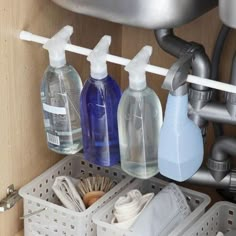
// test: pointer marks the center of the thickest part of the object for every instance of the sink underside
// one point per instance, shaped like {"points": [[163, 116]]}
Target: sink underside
{"points": [[151, 14]]}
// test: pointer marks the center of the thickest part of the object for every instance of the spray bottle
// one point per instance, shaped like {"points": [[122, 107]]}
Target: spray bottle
{"points": [[139, 121], [60, 95], [98, 106], [181, 143]]}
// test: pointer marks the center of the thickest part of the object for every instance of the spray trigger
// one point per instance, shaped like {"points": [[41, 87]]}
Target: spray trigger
{"points": [[56, 46], [98, 58], [136, 68]]}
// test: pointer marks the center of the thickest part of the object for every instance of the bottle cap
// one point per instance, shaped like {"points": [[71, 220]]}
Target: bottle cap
{"points": [[136, 69], [97, 58], [56, 46]]}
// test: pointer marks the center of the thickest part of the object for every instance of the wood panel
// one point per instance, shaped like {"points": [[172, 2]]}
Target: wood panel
{"points": [[24, 153], [21, 233]]}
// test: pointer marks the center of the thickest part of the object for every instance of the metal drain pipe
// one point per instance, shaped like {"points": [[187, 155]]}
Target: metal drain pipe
{"points": [[199, 95]]}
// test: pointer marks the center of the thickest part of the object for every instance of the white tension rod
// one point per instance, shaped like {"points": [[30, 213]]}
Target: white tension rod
{"points": [[24, 35]]}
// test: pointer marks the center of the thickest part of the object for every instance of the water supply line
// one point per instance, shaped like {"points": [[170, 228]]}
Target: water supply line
{"points": [[215, 64], [218, 48]]}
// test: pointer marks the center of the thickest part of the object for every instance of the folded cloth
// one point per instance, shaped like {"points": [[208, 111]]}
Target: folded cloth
{"points": [[64, 188], [167, 210], [127, 208]]}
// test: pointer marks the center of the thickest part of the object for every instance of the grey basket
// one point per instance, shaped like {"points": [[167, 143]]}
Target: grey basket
{"points": [[47, 217], [196, 200], [220, 217]]}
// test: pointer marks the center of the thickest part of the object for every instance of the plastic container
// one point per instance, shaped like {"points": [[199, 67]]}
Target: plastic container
{"points": [[139, 121], [197, 202], [60, 96], [99, 103], [98, 108], [220, 217], [50, 219], [180, 152]]}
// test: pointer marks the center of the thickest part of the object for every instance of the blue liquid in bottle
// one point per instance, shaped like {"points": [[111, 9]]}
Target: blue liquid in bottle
{"points": [[98, 106]]}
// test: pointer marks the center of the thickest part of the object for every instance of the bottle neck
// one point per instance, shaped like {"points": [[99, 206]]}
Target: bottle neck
{"points": [[98, 72], [137, 82], [95, 80], [57, 61], [56, 69], [176, 109]]}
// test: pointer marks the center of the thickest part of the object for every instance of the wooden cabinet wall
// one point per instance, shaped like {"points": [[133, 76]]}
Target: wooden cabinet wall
{"points": [[24, 153]]}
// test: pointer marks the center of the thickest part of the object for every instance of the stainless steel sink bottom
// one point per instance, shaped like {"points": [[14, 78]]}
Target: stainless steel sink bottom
{"points": [[151, 14]]}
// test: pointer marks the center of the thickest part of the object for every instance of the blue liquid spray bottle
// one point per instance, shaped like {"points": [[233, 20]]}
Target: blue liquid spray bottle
{"points": [[99, 103]]}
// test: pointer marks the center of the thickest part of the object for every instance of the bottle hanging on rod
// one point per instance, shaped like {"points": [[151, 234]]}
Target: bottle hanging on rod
{"points": [[60, 95], [98, 105], [139, 121], [181, 149], [24, 35]]}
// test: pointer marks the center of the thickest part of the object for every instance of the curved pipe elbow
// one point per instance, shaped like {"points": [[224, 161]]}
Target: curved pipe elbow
{"points": [[223, 147], [170, 43], [178, 47]]}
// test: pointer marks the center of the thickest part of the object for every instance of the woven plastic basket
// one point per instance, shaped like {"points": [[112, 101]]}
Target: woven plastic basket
{"points": [[197, 202], [220, 217], [47, 217]]}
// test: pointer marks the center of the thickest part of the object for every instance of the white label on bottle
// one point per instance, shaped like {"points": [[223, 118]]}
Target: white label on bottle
{"points": [[54, 110], [63, 133], [46, 123], [53, 139]]}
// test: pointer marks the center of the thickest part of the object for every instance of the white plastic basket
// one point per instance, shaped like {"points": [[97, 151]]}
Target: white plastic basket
{"points": [[197, 202], [220, 217], [51, 218]]}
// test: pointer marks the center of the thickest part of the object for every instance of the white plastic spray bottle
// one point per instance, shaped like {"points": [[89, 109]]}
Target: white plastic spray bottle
{"points": [[139, 121], [181, 150], [60, 96]]}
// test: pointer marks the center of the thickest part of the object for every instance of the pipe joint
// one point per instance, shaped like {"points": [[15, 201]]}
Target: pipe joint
{"points": [[218, 169]]}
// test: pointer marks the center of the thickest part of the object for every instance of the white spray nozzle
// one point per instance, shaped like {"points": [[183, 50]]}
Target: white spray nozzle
{"points": [[56, 46], [98, 58], [136, 68]]}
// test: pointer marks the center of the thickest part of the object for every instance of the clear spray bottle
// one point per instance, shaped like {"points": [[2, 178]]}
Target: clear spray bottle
{"points": [[139, 121], [60, 96]]}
